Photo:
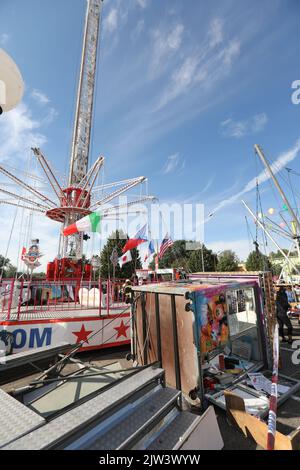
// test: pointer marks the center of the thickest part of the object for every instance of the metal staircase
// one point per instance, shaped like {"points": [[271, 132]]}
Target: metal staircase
{"points": [[137, 412]]}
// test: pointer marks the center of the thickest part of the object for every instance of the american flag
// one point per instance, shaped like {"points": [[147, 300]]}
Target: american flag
{"points": [[165, 245]]}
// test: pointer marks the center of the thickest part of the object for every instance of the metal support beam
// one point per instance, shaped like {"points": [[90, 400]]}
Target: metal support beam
{"points": [[85, 97], [261, 155], [116, 193], [26, 186], [96, 170], [48, 172], [270, 236], [35, 209], [25, 199], [145, 339], [129, 204], [158, 333], [85, 181], [175, 340]]}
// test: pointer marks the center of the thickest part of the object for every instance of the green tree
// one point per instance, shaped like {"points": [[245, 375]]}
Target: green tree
{"points": [[276, 269], [7, 270], [10, 271], [227, 261], [278, 254], [202, 260], [175, 257], [117, 241], [181, 263], [256, 261]]}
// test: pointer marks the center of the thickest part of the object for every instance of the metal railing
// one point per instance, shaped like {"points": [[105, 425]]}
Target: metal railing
{"points": [[21, 298]]}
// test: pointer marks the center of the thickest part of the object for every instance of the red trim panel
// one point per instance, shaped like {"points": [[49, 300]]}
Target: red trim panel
{"points": [[106, 345]]}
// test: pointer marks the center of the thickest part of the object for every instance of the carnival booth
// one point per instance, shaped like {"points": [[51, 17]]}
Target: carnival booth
{"points": [[209, 337]]}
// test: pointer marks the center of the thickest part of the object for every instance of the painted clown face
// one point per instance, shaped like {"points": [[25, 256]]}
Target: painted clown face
{"points": [[219, 312]]}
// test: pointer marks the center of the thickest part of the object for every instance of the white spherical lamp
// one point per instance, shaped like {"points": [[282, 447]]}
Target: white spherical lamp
{"points": [[11, 83]]}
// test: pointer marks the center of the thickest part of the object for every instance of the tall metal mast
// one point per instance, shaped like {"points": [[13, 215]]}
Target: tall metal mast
{"points": [[83, 118], [85, 97]]}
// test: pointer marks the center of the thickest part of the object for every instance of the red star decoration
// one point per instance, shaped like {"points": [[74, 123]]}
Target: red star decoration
{"points": [[122, 329], [82, 335]]}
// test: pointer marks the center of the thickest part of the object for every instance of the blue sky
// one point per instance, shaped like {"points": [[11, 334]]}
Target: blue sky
{"points": [[185, 88]]}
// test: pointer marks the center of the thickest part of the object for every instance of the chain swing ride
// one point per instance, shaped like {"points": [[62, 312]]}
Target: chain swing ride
{"points": [[285, 229], [68, 306], [77, 200]]}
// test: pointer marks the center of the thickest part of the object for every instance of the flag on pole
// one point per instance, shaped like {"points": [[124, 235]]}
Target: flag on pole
{"points": [[125, 259], [23, 253], [90, 223], [150, 251], [140, 237], [165, 245]]}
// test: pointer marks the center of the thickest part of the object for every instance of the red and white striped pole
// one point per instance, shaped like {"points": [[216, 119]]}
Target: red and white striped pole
{"points": [[273, 398]]}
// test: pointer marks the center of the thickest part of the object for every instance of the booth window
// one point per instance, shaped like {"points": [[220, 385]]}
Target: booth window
{"points": [[243, 324]]}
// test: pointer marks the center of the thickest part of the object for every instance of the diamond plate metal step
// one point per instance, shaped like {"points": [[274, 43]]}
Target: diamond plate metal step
{"points": [[176, 432], [16, 419], [21, 358], [77, 419], [136, 423]]}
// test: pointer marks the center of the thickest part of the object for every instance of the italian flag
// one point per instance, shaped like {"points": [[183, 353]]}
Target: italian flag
{"points": [[90, 223]]}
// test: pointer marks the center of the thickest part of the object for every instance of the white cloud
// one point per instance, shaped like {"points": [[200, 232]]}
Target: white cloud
{"points": [[281, 161], [51, 115], [213, 60], [111, 21], [4, 38], [40, 97], [259, 122], [19, 132], [238, 129], [181, 80], [229, 53], [142, 3], [138, 30], [215, 32], [166, 42], [114, 21], [173, 163], [174, 38]]}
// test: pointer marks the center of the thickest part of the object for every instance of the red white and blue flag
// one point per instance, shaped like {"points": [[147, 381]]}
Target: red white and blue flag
{"points": [[151, 250], [140, 237], [165, 245]]}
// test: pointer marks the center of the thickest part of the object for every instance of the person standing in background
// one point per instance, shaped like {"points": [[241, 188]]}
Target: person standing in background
{"points": [[282, 307]]}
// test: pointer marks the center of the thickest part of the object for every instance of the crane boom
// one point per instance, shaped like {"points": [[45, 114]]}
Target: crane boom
{"points": [[85, 97]]}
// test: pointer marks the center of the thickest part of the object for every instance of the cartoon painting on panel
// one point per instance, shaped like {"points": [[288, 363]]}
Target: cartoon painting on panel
{"points": [[214, 324]]}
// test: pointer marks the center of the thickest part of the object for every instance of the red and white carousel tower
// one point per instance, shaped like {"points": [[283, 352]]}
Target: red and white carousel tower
{"points": [[76, 200]]}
